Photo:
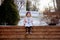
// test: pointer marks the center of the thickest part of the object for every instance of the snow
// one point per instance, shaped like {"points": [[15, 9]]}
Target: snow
{"points": [[36, 19]]}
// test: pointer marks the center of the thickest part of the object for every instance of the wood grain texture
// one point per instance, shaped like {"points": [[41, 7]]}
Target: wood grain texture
{"points": [[38, 33]]}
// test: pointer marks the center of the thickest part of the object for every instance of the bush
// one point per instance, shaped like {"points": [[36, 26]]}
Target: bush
{"points": [[9, 13]]}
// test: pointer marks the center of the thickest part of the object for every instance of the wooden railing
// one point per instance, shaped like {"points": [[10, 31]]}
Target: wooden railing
{"points": [[38, 33]]}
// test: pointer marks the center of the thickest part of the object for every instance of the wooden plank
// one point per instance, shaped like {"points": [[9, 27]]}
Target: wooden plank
{"points": [[12, 36], [22, 32], [26, 39], [44, 36]]}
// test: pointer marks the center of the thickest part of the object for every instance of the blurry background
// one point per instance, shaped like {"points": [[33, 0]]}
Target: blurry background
{"points": [[44, 12]]}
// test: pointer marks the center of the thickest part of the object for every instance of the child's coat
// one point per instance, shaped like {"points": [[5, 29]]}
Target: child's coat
{"points": [[28, 21]]}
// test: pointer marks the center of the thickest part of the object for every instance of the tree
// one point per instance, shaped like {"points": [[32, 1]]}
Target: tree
{"points": [[9, 13], [28, 5], [34, 8]]}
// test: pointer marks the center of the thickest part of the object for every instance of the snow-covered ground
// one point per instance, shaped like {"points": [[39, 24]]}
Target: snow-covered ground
{"points": [[36, 18]]}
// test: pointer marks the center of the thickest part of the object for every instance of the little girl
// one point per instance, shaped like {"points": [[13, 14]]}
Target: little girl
{"points": [[28, 22]]}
